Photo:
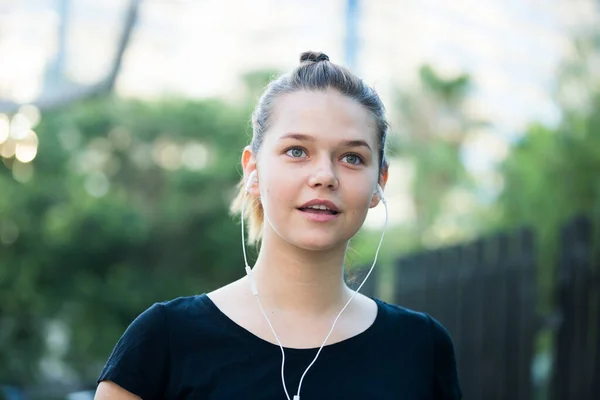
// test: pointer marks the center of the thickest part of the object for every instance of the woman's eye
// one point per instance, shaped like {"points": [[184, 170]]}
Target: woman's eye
{"points": [[295, 152], [353, 159]]}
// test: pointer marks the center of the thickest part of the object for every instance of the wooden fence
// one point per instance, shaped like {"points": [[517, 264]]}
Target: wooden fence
{"points": [[485, 293]]}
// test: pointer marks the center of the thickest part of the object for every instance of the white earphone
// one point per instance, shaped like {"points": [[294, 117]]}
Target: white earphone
{"points": [[379, 191], [251, 180], [254, 287]]}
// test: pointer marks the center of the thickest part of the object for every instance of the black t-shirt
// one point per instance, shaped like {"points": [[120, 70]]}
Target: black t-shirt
{"points": [[187, 348]]}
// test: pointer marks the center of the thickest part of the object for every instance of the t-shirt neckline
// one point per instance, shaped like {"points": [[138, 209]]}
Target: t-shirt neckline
{"points": [[353, 340]]}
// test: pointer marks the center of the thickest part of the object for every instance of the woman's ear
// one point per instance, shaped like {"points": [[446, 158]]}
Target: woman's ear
{"points": [[249, 166], [382, 182]]}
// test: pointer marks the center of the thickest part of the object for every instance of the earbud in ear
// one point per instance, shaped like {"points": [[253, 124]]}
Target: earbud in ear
{"points": [[379, 191], [251, 180]]}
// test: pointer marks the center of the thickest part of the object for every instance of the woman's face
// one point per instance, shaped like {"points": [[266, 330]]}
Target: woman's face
{"points": [[321, 151]]}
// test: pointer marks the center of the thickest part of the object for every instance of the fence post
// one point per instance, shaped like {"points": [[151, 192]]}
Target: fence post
{"points": [[595, 300], [560, 374], [572, 373], [429, 267], [496, 300], [526, 287], [447, 286], [471, 321]]}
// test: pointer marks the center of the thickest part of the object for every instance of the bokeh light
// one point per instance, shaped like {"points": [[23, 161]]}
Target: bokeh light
{"points": [[97, 184], [31, 113], [195, 156], [4, 128], [26, 149], [8, 148], [167, 155], [19, 126]]}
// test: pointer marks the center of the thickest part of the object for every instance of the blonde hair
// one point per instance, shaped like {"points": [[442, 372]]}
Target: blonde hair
{"points": [[315, 73], [254, 214]]}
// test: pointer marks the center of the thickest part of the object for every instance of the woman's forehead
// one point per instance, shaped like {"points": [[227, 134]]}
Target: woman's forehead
{"points": [[323, 115]]}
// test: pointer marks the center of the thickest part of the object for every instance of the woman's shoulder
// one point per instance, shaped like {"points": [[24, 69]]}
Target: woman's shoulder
{"points": [[400, 319], [139, 360], [396, 314], [176, 310], [191, 303]]}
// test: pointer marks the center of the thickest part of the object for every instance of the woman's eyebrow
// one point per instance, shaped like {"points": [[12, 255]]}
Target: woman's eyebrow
{"points": [[298, 136], [309, 138], [356, 143]]}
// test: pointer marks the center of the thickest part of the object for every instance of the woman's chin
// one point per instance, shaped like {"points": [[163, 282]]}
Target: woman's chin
{"points": [[319, 242]]}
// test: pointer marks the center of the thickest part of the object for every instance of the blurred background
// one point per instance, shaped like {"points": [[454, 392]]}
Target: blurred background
{"points": [[121, 129]]}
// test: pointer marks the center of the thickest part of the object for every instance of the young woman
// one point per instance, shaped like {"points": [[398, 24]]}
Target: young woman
{"points": [[291, 327]]}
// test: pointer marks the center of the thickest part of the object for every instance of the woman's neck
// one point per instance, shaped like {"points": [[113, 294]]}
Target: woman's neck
{"points": [[298, 281]]}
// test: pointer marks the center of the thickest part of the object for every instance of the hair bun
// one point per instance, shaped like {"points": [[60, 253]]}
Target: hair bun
{"points": [[313, 56]]}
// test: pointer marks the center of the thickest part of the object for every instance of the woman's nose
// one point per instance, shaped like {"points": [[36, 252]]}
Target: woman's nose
{"points": [[324, 176]]}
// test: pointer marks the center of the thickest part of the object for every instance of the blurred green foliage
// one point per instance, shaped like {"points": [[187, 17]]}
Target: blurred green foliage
{"points": [[128, 205], [433, 127]]}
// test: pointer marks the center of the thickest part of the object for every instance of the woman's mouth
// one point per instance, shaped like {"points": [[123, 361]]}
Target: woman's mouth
{"points": [[319, 214], [318, 210]]}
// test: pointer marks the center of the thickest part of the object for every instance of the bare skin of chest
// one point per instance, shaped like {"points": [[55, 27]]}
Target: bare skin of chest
{"points": [[293, 329]]}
